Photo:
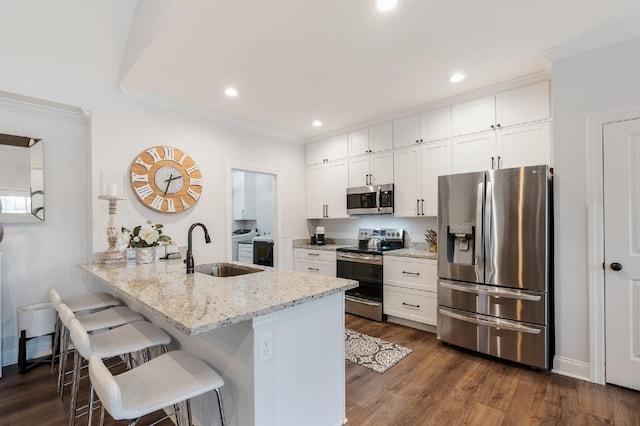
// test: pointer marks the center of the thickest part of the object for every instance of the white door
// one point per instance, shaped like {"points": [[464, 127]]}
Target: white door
{"points": [[622, 252], [474, 153], [359, 170], [381, 168], [406, 178], [336, 182], [528, 145], [316, 191], [435, 161]]}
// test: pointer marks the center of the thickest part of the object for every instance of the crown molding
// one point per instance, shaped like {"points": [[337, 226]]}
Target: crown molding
{"points": [[170, 104], [463, 97], [43, 108], [587, 44]]}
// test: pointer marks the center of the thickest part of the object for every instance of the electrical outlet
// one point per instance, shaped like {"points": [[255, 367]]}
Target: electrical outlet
{"points": [[266, 349]]}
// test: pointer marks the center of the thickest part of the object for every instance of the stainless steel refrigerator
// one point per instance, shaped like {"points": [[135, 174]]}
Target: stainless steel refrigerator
{"points": [[495, 263]]}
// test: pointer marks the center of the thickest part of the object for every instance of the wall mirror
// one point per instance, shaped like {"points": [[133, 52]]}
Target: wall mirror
{"points": [[21, 179]]}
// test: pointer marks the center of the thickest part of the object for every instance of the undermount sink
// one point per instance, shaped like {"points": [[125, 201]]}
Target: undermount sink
{"points": [[226, 269]]}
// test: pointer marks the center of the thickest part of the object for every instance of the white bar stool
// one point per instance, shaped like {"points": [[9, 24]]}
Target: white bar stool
{"points": [[108, 318], [85, 302], [123, 340], [166, 380]]}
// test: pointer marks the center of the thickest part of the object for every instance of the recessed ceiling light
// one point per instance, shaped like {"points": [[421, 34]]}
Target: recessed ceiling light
{"points": [[231, 92], [386, 5], [317, 123], [456, 78]]}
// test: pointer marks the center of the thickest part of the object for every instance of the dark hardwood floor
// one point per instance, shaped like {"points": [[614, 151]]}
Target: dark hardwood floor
{"points": [[438, 384], [434, 385]]}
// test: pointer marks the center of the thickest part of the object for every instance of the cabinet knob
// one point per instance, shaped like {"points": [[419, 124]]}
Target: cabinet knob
{"points": [[493, 127], [498, 125]]}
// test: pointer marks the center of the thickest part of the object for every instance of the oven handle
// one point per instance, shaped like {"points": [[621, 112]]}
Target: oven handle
{"points": [[493, 293], [361, 301], [493, 324], [376, 260]]}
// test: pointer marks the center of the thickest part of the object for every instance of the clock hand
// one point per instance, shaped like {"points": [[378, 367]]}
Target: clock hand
{"points": [[168, 183]]}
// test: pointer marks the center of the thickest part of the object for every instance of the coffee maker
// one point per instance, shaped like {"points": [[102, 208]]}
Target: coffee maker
{"points": [[320, 235]]}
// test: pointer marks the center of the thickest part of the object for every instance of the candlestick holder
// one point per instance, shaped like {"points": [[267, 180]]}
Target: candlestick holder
{"points": [[112, 253]]}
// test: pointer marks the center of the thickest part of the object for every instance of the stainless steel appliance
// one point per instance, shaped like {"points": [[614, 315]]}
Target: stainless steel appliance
{"points": [[495, 263], [371, 199], [363, 263]]}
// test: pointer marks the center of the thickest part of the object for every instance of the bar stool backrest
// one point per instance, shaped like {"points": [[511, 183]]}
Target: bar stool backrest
{"points": [[80, 338], [65, 314], [55, 298], [105, 386]]}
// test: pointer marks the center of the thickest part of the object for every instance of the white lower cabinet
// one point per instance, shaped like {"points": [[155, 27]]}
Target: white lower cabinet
{"points": [[321, 262], [410, 288]]}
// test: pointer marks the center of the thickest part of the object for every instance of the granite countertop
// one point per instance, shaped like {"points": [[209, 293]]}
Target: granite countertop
{"points": [[326, 247], [412, 252], [198, 303]]}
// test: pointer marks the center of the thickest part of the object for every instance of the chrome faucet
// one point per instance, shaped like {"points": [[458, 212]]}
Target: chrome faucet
{"points": [[189, 260]]}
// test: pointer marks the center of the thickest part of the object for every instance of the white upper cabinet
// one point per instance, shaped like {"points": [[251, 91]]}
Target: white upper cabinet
{"points": [[244, 195], [427, 127], [406, 132], [516, 146], [327, 190], [509, 108], [523, 105], [372, 140], [435, 125], [416, 171], [331, 149]]}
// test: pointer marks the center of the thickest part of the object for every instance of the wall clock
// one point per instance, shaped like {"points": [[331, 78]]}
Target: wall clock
{"points": [[166, 179]]}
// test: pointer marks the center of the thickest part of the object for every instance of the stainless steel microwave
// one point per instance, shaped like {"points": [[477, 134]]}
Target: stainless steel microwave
{"points": [[371, 199]]}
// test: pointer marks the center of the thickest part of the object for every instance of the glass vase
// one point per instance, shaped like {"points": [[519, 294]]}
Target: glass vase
{"points": [[144, 255]]}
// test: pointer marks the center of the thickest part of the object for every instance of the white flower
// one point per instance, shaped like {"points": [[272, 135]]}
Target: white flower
{"points": [[149, 234]]}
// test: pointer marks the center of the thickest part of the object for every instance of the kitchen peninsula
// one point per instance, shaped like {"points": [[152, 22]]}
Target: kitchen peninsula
{"points": [[275, 336]]}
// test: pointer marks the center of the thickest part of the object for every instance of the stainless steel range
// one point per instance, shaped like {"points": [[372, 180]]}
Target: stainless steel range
{"points": [[363, 263]]}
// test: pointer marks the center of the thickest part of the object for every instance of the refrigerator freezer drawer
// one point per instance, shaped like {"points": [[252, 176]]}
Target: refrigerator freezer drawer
{"points": [[510, 340], [518, 305]]}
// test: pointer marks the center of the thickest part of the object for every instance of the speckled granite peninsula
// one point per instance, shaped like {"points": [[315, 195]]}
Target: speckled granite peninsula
{"points": [[197, 303], [275, 336]]}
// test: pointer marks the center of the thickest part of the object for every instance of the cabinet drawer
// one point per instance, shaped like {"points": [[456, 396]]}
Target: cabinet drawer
{"points": [[414, 305], [320, 268], [246, 249], [418, 274], [321, 255]]}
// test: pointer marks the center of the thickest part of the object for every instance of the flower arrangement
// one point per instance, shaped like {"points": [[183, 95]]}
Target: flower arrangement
{"points": [[147, 235]]}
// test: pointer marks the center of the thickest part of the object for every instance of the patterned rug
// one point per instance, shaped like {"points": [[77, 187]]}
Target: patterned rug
{"points": [[371, 352]]}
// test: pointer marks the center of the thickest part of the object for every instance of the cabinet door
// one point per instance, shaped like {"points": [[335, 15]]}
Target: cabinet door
{"points": [[316, 191], [523, 104], [359, 143], [474, 116], [358, 170], [406, 132], [527, 145], [381, 138], [381, 168], [336, 182], [327, 150], [250, 197], [473, 153], [406, 180], [436, 124], [435, 161]]}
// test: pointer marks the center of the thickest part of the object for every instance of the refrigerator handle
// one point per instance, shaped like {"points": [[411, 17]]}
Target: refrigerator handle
{"points": [[479, 264], [488, 234]]}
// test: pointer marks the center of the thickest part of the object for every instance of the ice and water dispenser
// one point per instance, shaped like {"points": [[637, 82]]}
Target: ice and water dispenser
{"points": [[460, 243]]}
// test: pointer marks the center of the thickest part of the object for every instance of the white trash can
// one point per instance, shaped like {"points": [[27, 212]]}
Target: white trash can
{"points": [[35, 321]]}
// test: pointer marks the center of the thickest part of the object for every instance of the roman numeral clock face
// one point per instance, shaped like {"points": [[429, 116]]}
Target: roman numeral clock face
{"points": [[166, 179]]}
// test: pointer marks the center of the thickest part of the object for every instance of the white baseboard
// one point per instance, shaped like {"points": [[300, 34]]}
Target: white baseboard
{"points": [[412, 324], [572, 368]]}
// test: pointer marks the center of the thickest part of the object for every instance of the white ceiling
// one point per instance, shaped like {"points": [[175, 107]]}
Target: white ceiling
{"points": [[344, 62]]}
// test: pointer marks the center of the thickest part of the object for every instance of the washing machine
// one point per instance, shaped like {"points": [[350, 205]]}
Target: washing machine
{"points": [[240, 236]]}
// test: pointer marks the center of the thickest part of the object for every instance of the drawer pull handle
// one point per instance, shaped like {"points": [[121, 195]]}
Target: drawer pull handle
{"points": [[313, 254], [409, 304], [417, 274], [314, 269], [496, 323]]}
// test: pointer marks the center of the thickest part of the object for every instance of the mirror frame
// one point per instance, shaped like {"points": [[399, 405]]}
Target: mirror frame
{"points": [[36, 180]]}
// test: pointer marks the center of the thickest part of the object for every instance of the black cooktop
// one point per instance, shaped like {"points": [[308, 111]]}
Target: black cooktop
{"points": [[357, 249]]}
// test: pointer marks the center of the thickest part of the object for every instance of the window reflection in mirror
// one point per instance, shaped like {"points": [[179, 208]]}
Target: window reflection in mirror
{"points": [[21, 179]]}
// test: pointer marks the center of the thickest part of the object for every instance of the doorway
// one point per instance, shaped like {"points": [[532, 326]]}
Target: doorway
{"points": [[252, 213]]}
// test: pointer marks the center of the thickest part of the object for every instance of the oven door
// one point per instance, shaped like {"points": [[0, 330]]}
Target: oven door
{"points": [[366, 299]]}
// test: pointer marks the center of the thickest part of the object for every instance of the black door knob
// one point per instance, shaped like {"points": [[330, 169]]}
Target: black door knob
{"points": [[616, 266]]}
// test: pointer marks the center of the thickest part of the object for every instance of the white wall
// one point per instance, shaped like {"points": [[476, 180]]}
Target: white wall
{"points": [[599, 81]]}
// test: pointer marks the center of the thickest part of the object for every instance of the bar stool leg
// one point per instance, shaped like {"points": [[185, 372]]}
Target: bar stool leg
{"points": [[75, 385], [189, 419], [56, 343], [176, 411], [62, 365], [219, 395], [90, 414]]}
